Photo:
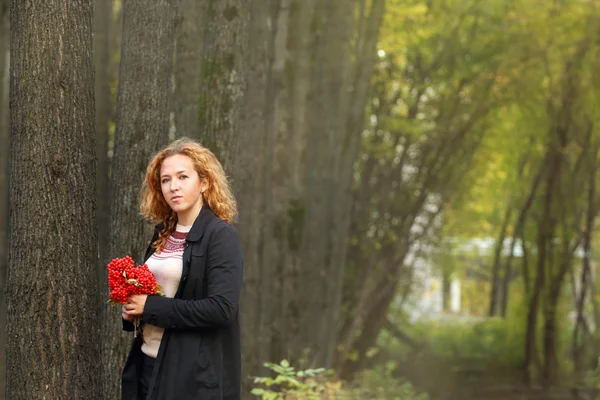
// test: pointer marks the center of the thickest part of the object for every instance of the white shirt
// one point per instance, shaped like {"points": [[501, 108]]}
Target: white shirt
{"points": [[167, 268]]}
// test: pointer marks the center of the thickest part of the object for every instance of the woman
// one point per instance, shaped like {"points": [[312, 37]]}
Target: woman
{"points": [[189, 346]]}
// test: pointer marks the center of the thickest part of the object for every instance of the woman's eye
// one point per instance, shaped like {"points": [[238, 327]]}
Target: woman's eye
{"points": [[183, 176], [165, 180]]}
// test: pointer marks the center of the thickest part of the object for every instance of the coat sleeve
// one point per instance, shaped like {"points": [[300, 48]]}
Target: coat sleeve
{"points": [[224, 275], [128, 326]]}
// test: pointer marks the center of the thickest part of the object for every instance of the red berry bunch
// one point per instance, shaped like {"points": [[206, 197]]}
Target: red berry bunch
{"points": [[125, 279]]}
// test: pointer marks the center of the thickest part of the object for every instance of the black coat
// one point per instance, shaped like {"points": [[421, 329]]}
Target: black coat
{"points": [[199, 356]]}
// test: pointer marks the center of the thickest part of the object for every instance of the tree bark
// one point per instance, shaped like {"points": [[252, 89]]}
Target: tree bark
{"points": [[254, 187], [142, 126], [223, 78], [292, 79], [323, 273], [187, 70], [102, 24], [4, 173], [52, 295]]}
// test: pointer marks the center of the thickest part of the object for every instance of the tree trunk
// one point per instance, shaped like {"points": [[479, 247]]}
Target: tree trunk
{"points": [[187, 70], [586, 273], [518, 233], [365, 56], [53, 307], [292, 78], [102, 25], [142, 126], [223, 79], [280, 144], [334, 24], [563, 131], [495, 299], [545, 235], [4, 172], [254, 187]]}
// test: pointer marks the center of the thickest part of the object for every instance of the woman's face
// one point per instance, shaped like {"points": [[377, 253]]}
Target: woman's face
{"points": [[181, 186]]}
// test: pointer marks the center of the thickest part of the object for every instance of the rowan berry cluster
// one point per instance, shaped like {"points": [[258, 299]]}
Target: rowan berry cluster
{"points": [[125, 279]]}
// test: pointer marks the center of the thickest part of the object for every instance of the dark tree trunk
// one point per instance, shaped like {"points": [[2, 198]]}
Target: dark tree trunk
{"points": [[279, 166], [4, 172], [546, 228], [578, 350], [102, 25], [329, 108], [142, 126], [254, 187], [187, 70], [292, 70], [519, 233], [495, 299], [223, 78], [365, 55], [564, 129], [52, 294], [115, 37]]}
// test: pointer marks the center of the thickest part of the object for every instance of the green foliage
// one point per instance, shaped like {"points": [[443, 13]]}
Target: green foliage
{"points": [[320, 384], [592, 378], [490, 341], [380, 383], [308, 384]]}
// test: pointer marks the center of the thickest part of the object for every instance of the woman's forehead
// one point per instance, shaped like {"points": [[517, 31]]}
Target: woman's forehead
{"points": [[177, 163]]}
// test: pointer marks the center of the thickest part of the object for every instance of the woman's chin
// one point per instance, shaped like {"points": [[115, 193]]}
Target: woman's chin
{"points": [[177, 208]]}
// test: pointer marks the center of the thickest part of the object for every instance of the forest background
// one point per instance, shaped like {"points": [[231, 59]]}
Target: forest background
{"points": [[383, 154]]}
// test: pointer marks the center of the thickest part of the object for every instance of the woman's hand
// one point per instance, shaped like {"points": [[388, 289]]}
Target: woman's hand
{"points": [[126, 316], [135, 305]]}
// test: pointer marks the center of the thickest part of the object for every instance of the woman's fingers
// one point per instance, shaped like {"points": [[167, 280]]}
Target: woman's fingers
{"points": [[125, 315], [132, 309]]}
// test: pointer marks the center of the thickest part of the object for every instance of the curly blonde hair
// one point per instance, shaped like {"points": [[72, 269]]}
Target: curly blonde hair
{"points": [[218, 195]]}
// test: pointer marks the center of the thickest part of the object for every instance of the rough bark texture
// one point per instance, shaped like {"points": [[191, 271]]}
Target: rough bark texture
{"points": [[253, 190], [4, 168], [279, 163], [52, 294], [102, 24], [187, 72], [142, 126], [291, 80], [223, 83]]}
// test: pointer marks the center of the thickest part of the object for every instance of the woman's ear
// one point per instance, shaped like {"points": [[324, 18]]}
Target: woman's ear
{"points": [[203, 185]]}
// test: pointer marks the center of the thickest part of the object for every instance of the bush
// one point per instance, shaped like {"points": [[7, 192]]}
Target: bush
{"points": [[321, 384]]}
